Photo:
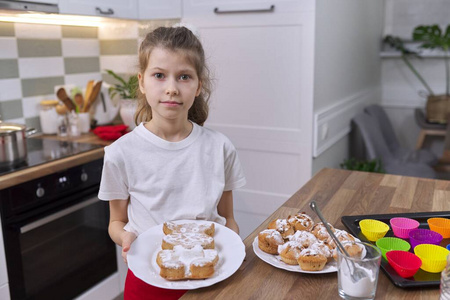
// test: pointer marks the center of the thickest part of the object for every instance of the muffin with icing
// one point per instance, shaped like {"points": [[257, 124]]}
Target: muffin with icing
{"points": [[207, 228], [289, 252], [320, 232], [181, 263], [311, 260], [269, 240], [304, 238], [283, 227], [187, 240], [301, 221]]}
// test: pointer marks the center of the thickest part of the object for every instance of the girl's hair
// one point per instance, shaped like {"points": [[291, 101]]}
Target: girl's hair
{"points": [[183, 40]]}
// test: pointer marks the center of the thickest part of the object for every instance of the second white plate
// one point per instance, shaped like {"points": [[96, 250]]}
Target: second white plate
{"points": [[276, 261]]}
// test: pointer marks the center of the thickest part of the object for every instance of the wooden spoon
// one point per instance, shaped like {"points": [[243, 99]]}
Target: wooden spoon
{"points": [[93, 95], [62, 95], [87, 94]]}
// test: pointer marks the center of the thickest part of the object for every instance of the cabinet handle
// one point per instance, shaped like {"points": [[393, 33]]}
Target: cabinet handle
{"points": [[263, 10], [103, 12]]}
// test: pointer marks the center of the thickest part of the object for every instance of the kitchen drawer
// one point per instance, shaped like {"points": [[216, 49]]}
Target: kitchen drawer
{"points": [[4, 292], [157, 9], [248, 12], [126, 9]]}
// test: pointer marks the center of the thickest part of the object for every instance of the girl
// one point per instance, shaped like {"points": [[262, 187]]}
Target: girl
{"points": [[169, 167]]}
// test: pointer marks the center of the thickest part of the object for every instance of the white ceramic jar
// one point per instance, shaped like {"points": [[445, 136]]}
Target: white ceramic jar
{"points": [[48, 116]]}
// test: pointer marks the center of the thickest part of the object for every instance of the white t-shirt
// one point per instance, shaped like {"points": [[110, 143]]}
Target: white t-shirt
{"points": [[170, 180]]}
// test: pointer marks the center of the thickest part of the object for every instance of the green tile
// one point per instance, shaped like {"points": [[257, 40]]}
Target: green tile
{"points": [[6, 29], [11, 109], [76, 65], [9, 68], [118, 47], [111, 80], [39, 47], [34, 122], [79, 32], [40, 86]]}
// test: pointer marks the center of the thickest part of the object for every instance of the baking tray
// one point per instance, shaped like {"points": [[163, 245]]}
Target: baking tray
{"points": [[422, 278]]}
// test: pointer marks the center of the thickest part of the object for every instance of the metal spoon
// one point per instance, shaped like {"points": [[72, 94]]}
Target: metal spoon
{"points": [[357, 273]]}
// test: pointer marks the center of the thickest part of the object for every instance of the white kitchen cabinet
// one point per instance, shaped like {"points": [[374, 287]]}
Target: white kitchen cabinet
{"points": [[4, 288], [125, 9], [40, 1], [261, 54], [157, 9]]}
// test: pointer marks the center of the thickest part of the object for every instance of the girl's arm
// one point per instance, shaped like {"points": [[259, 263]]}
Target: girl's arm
{"points": [[117, 220], [225, 209]]}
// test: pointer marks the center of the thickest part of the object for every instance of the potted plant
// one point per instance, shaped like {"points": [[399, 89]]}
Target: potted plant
{"points": [[431, 37], [126, 91]]}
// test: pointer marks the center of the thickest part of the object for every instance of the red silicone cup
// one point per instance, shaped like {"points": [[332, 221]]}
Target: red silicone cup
{"points": [[424, 236], [405, 263], [402, 226]]}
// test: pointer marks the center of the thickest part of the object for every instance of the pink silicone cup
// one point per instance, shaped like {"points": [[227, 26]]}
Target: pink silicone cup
{"points": [[406, 264], [424, 236], [402, 226]]}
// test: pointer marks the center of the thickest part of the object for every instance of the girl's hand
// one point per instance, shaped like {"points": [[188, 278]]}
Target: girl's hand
{"points": [[127, 239]]}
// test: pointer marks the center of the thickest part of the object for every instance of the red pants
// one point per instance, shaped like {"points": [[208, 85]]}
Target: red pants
{"points": [[136, 289]]}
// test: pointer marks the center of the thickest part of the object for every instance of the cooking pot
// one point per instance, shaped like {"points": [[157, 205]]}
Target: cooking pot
{"points": [[13, 143]]}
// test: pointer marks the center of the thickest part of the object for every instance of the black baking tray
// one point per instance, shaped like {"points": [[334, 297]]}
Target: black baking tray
{"points": [[421, 278]]}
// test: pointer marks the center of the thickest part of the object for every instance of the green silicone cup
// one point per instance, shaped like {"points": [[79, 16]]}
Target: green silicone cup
{"points": [[391, 243]]}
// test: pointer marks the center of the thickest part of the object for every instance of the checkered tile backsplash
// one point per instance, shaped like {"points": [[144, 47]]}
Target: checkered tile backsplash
{"points": [[35, 58]]}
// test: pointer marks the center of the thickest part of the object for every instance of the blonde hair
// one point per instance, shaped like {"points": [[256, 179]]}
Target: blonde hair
{"points": [[176, 39]]}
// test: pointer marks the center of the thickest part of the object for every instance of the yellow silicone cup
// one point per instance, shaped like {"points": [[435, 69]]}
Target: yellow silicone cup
{"points": [[373, 229], [440, 225], [434, 258]]}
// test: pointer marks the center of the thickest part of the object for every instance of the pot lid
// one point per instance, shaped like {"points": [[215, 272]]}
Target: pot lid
{"points": [[7, 128]]}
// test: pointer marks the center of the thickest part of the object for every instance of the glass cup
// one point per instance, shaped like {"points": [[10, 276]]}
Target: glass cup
{"points": [[369, 263]]}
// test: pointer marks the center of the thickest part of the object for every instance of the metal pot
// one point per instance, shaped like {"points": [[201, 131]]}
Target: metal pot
{"points": [[13, 143]]}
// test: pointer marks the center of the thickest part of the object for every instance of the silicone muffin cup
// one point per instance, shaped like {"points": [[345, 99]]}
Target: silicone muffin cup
{"points": [[402, 226], [373, 229], [441, 226], [405, 263], [434, 258], [424, 236], [391, 243]]}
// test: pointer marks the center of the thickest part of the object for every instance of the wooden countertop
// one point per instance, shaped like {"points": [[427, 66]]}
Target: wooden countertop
{"points": [[57, 165], [337, 193]]}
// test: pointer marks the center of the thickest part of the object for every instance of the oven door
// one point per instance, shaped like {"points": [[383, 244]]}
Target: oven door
{"points": [[60, 255]]}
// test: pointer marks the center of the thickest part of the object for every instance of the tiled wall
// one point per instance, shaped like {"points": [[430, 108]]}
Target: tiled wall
{"points": [[36, 58]]}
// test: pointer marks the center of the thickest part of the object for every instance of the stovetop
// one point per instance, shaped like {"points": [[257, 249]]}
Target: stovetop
{"points": [[42, 151]]}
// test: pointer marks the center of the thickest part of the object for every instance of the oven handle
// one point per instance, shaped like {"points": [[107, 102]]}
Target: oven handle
{"points": [[57, 215]]}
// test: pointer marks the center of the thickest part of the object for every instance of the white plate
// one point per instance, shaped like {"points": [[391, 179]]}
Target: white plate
{"points": [[142, 257], [276, 261]]}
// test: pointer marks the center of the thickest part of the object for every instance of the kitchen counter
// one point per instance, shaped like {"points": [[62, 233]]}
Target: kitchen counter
{"points": [[56, 165], [337, 193]]}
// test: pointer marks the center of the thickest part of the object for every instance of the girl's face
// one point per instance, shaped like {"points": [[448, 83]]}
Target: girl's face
{"points": [[170, 84]]}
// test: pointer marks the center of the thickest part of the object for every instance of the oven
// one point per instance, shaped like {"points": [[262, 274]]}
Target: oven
{"points": [[55, 233]]}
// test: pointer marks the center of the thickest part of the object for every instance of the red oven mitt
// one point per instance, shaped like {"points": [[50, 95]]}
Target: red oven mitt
{"points": [[112, 132]]}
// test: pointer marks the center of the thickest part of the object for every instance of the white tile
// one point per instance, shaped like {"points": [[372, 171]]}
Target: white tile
{"points": [[81, 80], [10, 89], [8, 47], [37, 31], [31, 105], [119, 63], [37, 67], [118, 30], [80, 47]]}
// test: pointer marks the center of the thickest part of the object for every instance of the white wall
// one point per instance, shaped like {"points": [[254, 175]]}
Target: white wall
{"points": [[400, 88], [347, 70]]}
